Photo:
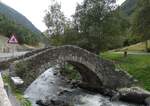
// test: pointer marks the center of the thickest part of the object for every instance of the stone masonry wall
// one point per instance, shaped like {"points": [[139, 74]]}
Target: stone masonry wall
{"points": [[98, 72]]}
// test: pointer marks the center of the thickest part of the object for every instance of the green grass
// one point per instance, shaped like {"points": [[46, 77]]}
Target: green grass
{"points": [[70, 72], [136, 65], [18, 93]]}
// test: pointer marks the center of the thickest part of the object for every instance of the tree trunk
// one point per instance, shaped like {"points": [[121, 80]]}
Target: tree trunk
{"points": [[146, 45]]}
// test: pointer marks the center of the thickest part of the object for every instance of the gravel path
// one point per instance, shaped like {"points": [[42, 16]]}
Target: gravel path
{"points": [[136, 53]]}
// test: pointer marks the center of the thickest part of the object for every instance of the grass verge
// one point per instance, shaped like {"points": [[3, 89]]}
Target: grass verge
{"points": [[136, 65]]}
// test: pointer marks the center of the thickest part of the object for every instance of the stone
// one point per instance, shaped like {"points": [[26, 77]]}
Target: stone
{"points": [[55, 73], [40, 102], [52, 102], [74, 83], [17, 80], [134, 95], [63, 90], [116, 97], [147, 101]]}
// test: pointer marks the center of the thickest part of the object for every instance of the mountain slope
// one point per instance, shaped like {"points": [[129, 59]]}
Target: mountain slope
{"points": [[24, 35], [17, 17], [129, 6]]}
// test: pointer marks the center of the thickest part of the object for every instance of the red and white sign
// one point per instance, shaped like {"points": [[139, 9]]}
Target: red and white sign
{"points": [[13, 40]]}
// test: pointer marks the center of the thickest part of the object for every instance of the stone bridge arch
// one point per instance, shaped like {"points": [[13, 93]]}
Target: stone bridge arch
{"points": [[96, 72]]}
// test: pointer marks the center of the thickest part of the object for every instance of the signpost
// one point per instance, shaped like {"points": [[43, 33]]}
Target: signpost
{"points": [[13, 41]]}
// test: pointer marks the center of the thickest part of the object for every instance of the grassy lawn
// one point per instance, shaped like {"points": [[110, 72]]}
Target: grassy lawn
{"points": [[137, 65]]}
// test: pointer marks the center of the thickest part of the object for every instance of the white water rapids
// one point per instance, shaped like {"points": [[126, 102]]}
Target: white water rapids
{"points": [[48, 85]]}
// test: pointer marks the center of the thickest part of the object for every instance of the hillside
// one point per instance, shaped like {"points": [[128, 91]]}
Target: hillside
{"points": [[128, 7], [13, 22], [17, 17], [24, 35]]}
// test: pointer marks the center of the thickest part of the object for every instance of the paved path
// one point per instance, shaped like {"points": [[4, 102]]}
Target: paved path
{"points": [[4, 100], [136, 53]]}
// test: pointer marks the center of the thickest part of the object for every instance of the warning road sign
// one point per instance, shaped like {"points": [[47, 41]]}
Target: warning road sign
{"points": [[13, 40]]}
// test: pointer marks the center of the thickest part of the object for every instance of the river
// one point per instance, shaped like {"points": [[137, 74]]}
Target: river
{"points": [[49, 85]]}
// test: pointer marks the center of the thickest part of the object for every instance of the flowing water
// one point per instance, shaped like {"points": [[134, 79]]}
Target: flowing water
{"points": [[49, 85]]}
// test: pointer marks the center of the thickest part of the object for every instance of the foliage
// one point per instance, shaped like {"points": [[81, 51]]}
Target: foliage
{"points": [[8, 27], [21, 69], [136, 65], [55, 20], [141, 22], [100, 23], [70, 72], [129, 7], [24, 101], [97, 25], [18, 18]]}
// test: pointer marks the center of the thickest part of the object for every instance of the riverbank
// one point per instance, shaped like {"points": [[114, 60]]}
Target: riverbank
{"points": [[15, 95], [136, 65]]}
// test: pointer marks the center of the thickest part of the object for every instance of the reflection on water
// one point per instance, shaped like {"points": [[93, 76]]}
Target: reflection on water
{"points": [[49, 85]]}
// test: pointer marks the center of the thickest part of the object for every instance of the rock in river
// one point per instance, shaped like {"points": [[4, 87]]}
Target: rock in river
{"points": [[52, 103], [135, 95]]}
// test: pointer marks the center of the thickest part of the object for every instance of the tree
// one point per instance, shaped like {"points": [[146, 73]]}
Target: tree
{"points": [[141, 21], [101, 24], [55, 20], [24, 35], [97, 25]]}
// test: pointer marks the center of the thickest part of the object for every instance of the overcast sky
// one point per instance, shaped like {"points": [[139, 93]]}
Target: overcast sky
{"points": [[34, 9]]}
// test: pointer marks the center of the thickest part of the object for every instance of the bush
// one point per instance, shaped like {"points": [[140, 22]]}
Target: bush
{"points": [[70, 72]]}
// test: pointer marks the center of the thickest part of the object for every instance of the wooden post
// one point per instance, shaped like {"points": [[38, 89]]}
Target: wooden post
{"points": [[125, 53]]}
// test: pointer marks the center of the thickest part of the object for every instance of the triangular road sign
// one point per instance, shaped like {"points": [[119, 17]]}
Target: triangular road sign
{"points": [[13, 40]]}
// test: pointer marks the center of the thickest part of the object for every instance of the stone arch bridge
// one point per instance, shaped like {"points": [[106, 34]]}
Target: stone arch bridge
{"points": [[96, 72]]}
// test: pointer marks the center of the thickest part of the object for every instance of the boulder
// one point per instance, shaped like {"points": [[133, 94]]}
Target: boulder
{"points": [[134, 95], [147, 101], [74, 83], [52, 103]]}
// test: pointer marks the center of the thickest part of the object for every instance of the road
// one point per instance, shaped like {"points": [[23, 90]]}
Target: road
{"points": [[135, 53], [4, 56]]}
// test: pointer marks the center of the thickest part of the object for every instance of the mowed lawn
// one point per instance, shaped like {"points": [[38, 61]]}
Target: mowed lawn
{"points": [[137, 65]]}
